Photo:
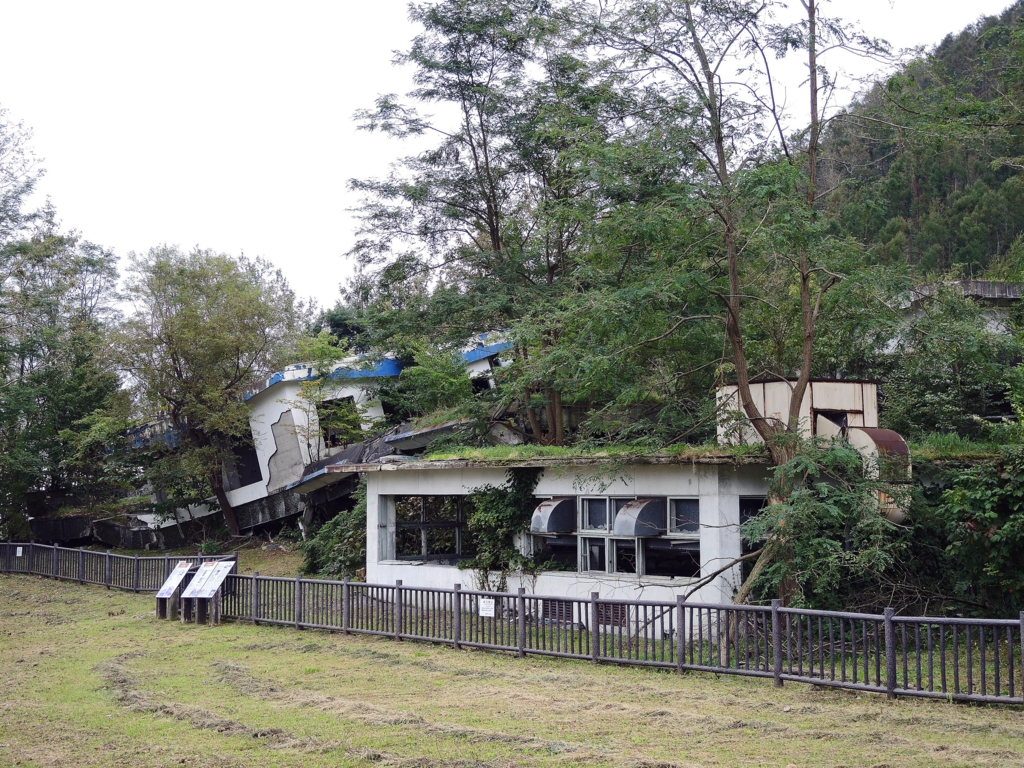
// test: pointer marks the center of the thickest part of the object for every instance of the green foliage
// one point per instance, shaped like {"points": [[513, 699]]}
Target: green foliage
{"points": [[204, 328], [437, 380], [338, 549], [985, 513], [497, 515], [210, 547], [834, 547], [934, 154], [56, 293], [324, 419]]}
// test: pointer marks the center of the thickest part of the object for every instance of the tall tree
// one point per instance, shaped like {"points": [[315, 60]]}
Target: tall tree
{"points": [[772, 250], [204, 328], [56, 293]]}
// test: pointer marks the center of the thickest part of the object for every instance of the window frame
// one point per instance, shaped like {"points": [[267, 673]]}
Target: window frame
{"points": [[687, 535], [583, 515], [424, 526], [609, 539]]}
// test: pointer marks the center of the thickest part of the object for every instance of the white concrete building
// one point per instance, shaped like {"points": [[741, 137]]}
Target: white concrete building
{"points": [[649, 530], [661, 526], [286, 436]]}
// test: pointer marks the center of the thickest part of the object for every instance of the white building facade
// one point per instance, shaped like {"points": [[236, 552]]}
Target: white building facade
{"points": [[648, 531]]}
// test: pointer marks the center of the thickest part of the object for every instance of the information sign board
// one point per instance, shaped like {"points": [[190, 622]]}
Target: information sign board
{"points": [[174, 579], [208, 579], [487, 606], [18, 552]]}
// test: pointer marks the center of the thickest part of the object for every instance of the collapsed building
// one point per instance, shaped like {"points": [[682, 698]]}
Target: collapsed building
{"points": [[287, 443]]}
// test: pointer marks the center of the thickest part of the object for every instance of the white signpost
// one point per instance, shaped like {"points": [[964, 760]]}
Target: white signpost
{"points": [[175, 578], [197, 581], [487, 607], [213, 575], [203, 591]]}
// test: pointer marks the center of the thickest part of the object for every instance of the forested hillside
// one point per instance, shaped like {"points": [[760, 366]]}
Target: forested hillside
{"points": [[929, 161]]}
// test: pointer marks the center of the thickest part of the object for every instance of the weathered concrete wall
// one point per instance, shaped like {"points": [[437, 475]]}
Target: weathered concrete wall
{"points": [[718, 488], [276, 507], [84, 530], [61, 529]]}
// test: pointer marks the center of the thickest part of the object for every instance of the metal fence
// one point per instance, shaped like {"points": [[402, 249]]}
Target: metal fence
{"points": [[951, 658], [139, 574]]}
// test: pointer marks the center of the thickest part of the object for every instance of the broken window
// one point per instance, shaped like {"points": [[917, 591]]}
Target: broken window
{"points": [[243, 468], [684, 516], [595, 514], [556, 552], [676, 559], [594, 555], [625, 556], [431, 528], [750, 506]]}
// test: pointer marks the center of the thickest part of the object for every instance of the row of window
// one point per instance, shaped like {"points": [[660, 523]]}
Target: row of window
{"points": [[599, 513], [433, 528], [648, 556]]}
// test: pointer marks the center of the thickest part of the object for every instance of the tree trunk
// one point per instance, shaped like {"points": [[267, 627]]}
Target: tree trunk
{"points": [[217, 482]]}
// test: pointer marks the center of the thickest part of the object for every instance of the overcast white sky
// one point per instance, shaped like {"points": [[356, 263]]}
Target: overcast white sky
{"points": [[228, 124]]}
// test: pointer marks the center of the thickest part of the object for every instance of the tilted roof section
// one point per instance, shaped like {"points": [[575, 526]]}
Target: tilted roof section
{"points": [[987, 290], [358, 367]]}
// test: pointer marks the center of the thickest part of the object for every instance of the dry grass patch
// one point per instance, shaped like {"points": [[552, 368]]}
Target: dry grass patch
{"points": [[84, 687]]}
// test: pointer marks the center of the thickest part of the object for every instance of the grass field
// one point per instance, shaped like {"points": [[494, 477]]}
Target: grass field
{"points": [[90, 677]]}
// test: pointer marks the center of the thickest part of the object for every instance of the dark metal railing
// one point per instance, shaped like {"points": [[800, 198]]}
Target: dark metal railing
{"points": [[951, 658], [134, 572]]}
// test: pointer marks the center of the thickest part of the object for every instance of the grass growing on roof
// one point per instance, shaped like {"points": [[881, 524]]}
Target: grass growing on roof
{"points": [[533, 451]]}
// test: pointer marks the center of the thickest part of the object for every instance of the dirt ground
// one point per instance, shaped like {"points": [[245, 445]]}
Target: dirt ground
{"points": [[90, 677]]}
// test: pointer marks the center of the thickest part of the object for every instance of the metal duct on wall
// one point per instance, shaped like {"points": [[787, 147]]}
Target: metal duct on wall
{"points": [[641, 517], [554, 516]]}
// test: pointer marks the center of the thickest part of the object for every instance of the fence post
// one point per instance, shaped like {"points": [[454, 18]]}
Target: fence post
{"points": [[595, 633], [457, 616], [521, 613], [346, 603], [167, 566], [255, 597], [298, 601], [32, 556], [1021, 638], [53, 566], [398, 609], [137, 576], [81, 565], [680, 619], [777, 642], [890, 654], [107, 570]]}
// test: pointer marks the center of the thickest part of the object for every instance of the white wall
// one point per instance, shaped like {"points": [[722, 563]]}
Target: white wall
{"points": [[718, 487], [267, 408]]}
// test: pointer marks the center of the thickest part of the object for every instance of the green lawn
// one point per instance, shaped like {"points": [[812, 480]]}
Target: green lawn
{"points": [[90, 677]]}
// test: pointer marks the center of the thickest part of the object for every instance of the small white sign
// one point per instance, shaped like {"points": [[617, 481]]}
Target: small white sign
{"points": [[167, 590], [198, 580], [208, 579], [487, 607], [17, 552]]}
